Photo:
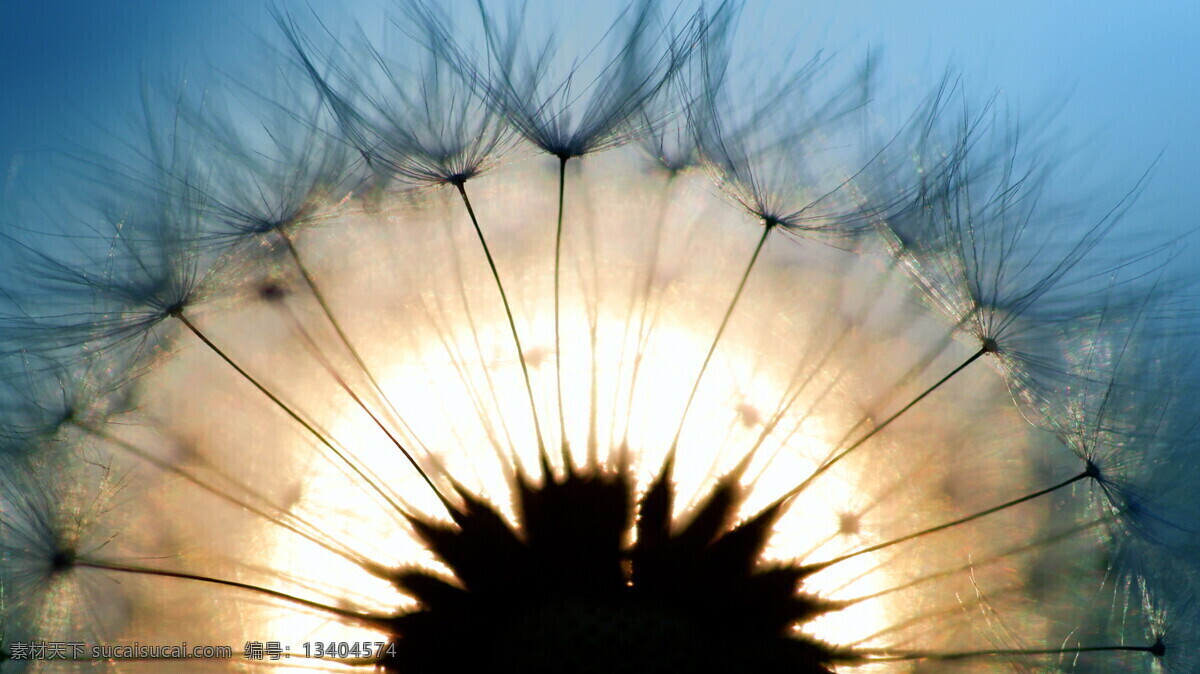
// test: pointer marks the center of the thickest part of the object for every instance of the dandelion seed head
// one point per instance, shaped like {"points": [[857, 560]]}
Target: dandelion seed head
{"points": [[428, 357], [446, 359]]}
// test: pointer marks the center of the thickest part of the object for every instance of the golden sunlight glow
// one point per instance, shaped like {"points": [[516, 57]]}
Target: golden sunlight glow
{"points": [[796, 378], [464, 396]]}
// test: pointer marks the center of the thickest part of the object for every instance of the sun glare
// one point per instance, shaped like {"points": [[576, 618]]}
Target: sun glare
{"points": [[637, 328]]}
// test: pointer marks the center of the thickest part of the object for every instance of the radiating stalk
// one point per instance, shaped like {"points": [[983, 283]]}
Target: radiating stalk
{"points": [[562, 421], [320, 437], [233, 500], [291, 599], [512, 324], [1089, 473], [337, 327], [1158, 648], [975, 563], [877, 429], [315, 352], [737, 295]]}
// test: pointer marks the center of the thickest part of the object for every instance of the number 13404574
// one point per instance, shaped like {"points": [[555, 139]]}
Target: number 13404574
{"points": [[348, 649]]}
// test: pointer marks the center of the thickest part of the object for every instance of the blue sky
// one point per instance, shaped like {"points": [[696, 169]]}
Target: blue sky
{"points": [[1123, 76]]}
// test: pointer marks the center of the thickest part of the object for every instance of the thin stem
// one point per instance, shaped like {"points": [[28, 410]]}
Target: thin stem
{"points": [[737, 295], [229, 498], [876, 430], [512, 324], [315, 351], [785, 405], [459, 363], [1005, 554], [562, 421], [947, 525], [1157, 649], [505, 454], [292, 599], [916, 370], [337, 327], [306, 425]]}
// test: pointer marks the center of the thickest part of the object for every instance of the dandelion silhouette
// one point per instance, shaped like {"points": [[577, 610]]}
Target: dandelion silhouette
{"points": [[465, 357]]}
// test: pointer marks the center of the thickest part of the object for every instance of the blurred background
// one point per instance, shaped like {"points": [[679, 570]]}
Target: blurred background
{"points": [[1119, 77]]}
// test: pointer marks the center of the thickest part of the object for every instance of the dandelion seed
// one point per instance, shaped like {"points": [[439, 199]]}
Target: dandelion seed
{"points": [[287, 383]]}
